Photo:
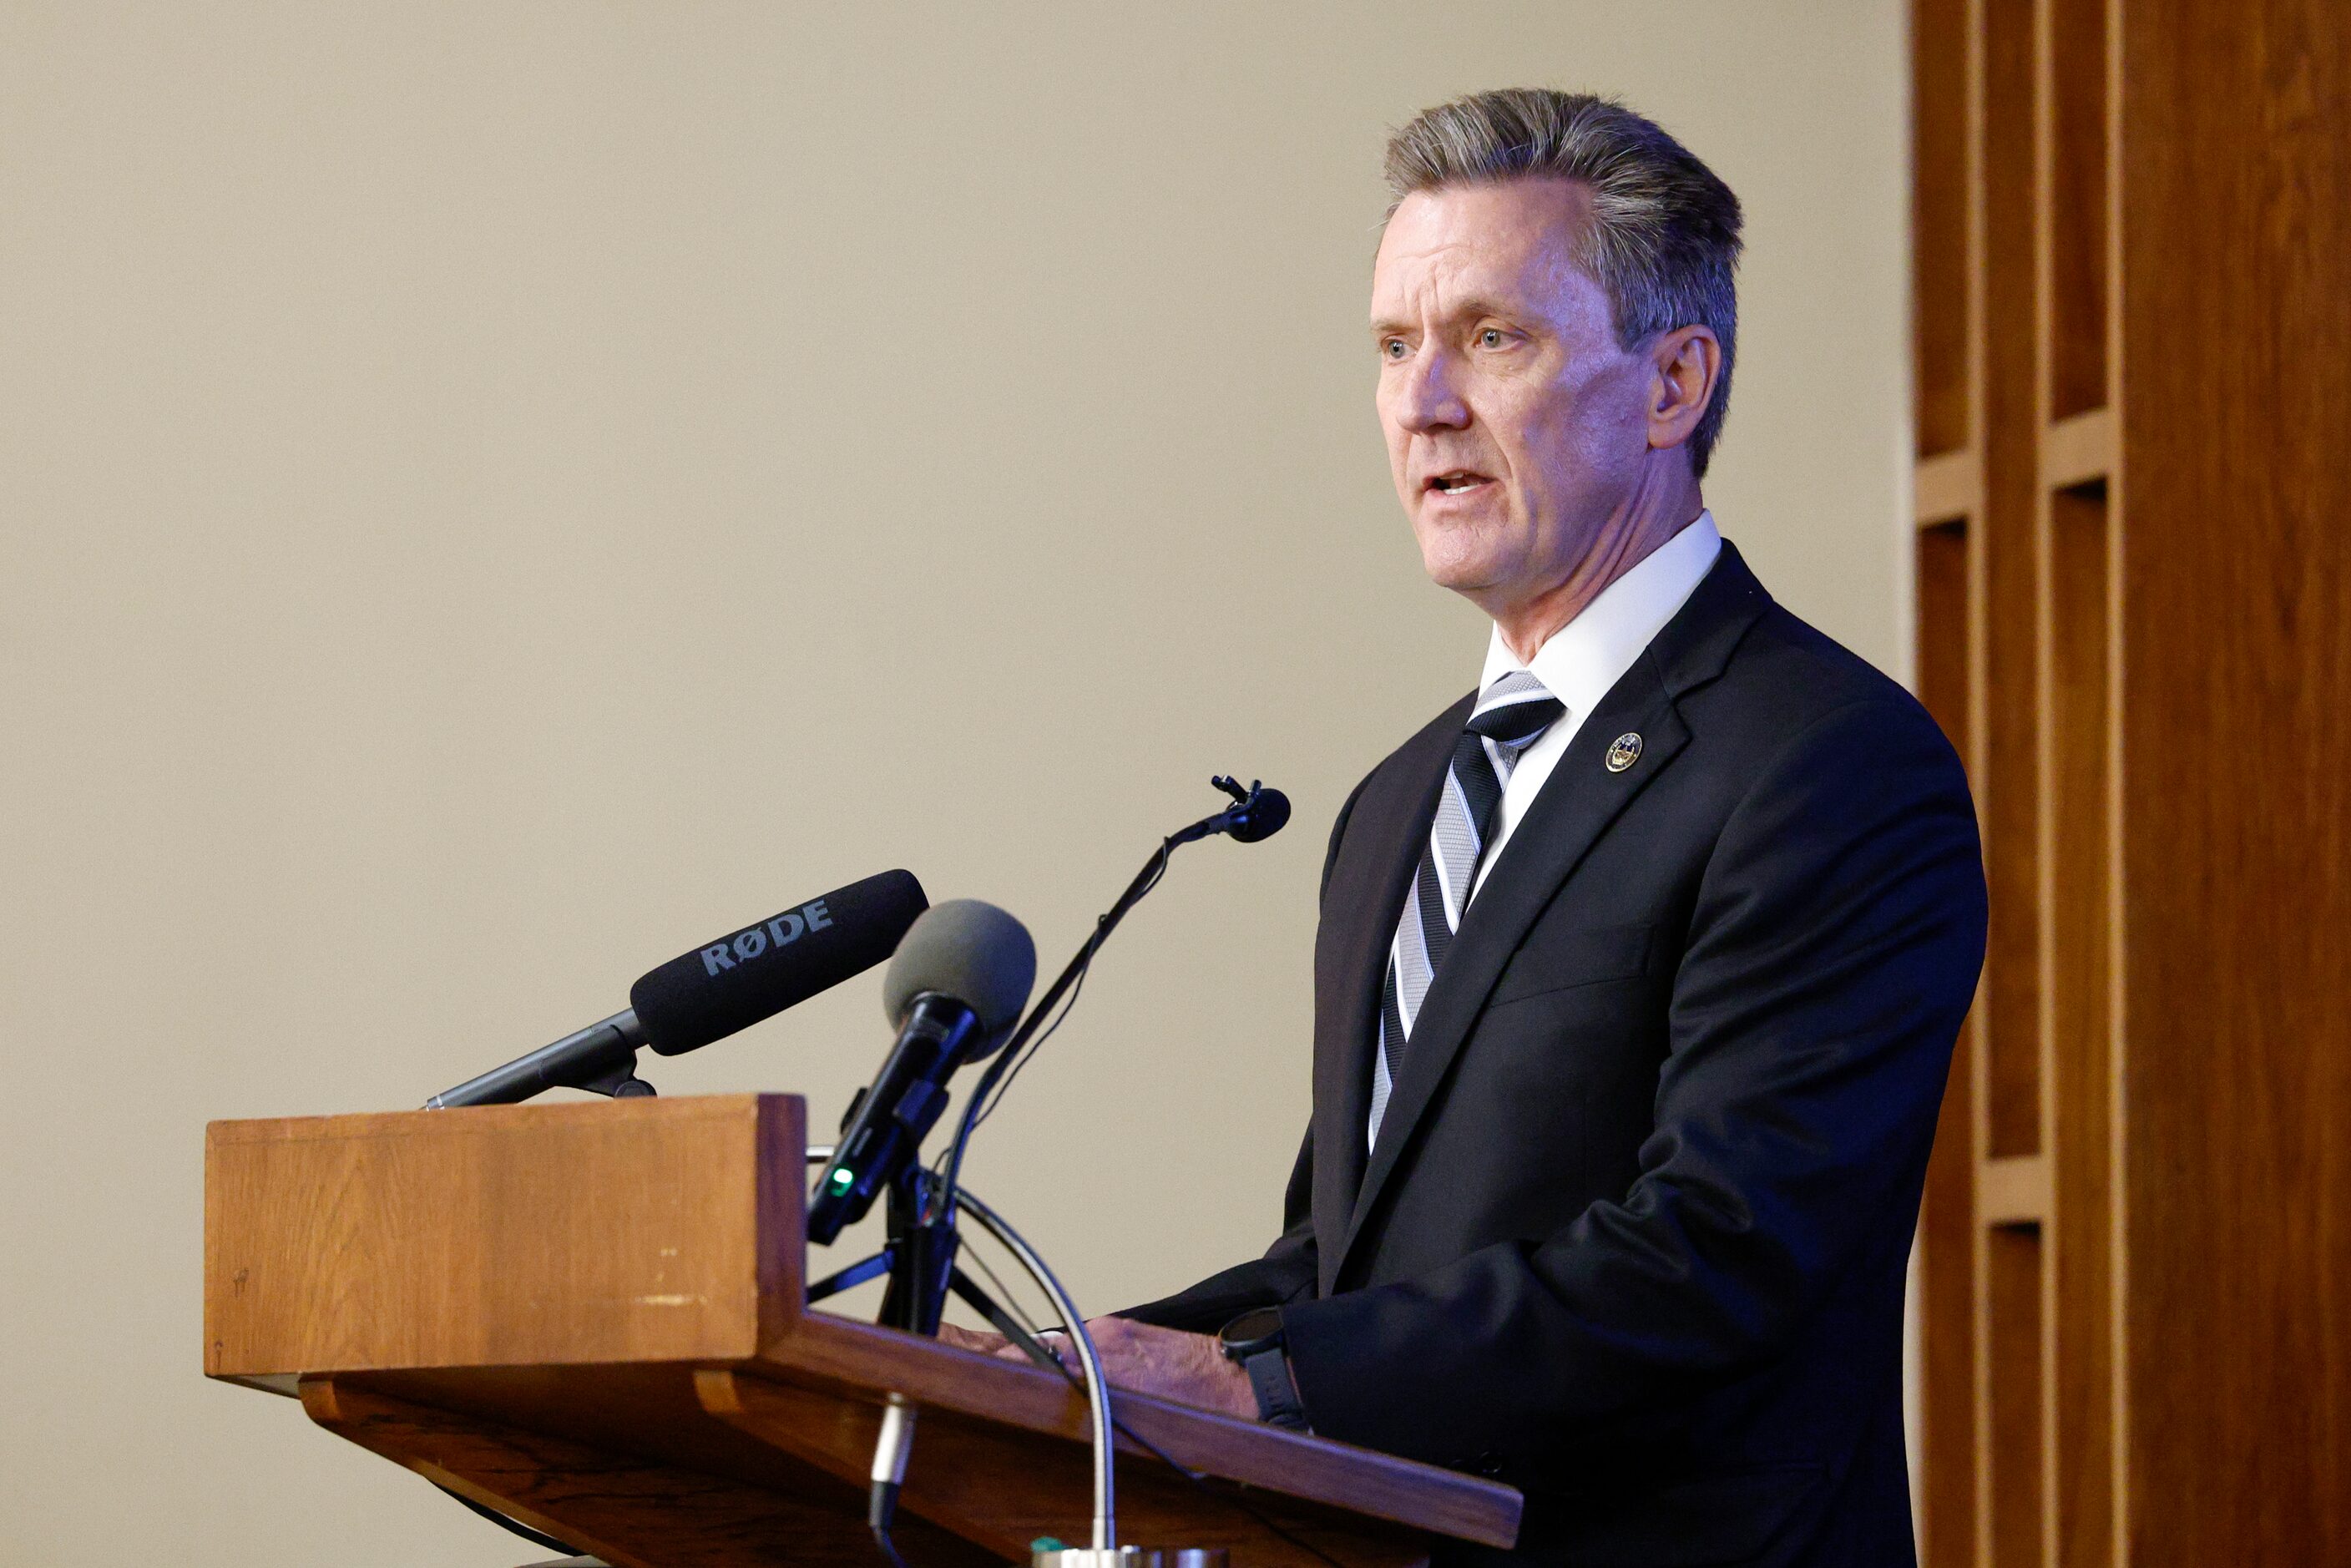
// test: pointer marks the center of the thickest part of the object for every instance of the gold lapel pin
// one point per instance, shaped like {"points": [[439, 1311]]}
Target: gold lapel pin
{"points": [[1623, 751]]}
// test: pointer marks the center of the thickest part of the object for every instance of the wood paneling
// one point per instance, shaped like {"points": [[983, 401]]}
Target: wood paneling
{"points": [[1948, 489], [2078, 450], [1942, 628], [2072, 125], [2236, 789], [2079, 934], [2134, 620], [2007, 771], [1946, 1242], [2012, 1191], [1941, 158], [458, 1238], [2011, 1374]]}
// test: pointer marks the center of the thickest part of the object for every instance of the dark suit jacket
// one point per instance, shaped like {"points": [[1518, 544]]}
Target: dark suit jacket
{"points": [[1634, 1235]]}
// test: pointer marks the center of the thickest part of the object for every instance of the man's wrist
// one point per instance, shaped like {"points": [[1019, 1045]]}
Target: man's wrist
{"points": [[1256, 1342], [1275, 1388]]}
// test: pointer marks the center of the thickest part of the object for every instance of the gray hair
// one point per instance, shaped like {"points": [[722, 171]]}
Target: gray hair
{"points": [[1662, 242]]}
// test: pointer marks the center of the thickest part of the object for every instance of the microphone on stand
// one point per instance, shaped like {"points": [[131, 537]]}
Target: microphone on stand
{"points": [[954, 990], [713, 991], [1257, 812]]}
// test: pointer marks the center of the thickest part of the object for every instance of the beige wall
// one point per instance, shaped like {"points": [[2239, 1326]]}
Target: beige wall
{"points": [[492, 495]]}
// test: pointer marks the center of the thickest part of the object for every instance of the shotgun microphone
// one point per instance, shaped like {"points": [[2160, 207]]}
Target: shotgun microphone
{"points": [[713, 991]]}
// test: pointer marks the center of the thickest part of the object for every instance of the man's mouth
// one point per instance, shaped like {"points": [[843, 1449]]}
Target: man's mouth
{"points": [[1455, 482]]}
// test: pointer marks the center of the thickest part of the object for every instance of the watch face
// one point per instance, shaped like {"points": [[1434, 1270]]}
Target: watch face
{"points": [[1258, 1323]]}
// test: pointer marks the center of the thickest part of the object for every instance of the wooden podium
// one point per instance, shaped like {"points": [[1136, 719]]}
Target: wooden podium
{"points": [[589, 1317]]}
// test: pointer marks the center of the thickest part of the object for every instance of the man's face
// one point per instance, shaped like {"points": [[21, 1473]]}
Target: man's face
{"points": [[1516, 427]]}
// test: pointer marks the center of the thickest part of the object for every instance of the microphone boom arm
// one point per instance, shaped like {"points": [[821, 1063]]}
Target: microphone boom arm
{"points": [[1240, 815], [601, 1058]]}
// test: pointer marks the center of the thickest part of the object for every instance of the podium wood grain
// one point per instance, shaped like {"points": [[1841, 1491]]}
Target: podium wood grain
{"points": [[653, 1231], [694, 1509], [589, 1316]]}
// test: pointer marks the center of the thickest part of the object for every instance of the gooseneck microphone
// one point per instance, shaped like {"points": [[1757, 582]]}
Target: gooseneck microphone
{"points": [[716, 990], [954, 990], [1256, 813]]}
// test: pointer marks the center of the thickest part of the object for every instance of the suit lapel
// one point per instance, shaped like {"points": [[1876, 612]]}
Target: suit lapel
{"points": [[1579, 800], [1379, 853]]}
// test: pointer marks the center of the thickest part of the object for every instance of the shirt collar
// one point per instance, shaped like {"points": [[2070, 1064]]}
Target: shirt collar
{"points": [[1589, 654]]}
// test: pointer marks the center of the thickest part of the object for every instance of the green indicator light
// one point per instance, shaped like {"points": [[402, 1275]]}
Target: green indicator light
{"points": [[844, 1178]]}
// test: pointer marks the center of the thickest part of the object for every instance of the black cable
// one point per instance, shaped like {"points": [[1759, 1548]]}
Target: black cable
{"points": [[1004, 1296], [889, 1548], [1076, 990], [950, 1165], [525, 1531], [997, 1082], [1199, 1480]]}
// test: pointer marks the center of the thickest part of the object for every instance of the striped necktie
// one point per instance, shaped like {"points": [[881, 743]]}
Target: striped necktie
{"points": [[1509, 715]]}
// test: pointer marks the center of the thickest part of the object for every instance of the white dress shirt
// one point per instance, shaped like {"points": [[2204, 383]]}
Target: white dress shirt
{"points": [[1589, 654]]}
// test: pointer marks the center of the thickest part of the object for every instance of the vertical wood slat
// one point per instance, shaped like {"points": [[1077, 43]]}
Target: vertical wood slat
{"points": [[2075, 455], [2048, 312], [2117, 868], [2235, 622], [1946, 1241], [2012, 424], [2074, 186], [2080, 1302], [2011, 1372], [1945, 291], [1947, 494], [1941, 271], [2013, 1411]]}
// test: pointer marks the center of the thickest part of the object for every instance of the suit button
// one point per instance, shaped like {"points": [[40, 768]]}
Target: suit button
{"points": [[1488, 1464]]}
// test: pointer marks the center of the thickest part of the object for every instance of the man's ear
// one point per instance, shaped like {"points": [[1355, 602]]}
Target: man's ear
{"points": [[1685, 364]]}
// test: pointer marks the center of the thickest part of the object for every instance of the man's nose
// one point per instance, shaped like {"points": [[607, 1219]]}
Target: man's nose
{"points": [[1431, 400]]}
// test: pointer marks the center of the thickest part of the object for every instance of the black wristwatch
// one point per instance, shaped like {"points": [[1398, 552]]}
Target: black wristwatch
{"points": [[1254, 1340]]}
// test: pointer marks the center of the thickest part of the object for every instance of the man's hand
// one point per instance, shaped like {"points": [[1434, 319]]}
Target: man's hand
{"points": [[980, 1340], [1188, 1368]]}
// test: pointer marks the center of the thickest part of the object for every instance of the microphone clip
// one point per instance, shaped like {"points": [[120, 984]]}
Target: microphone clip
{"points": [[1245, 801], [1257, 812], [620, 1083]]}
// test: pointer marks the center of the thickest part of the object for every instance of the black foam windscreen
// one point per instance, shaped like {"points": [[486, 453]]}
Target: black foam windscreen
{"points": [[760, 970], [1267, 817], [971, 951]]}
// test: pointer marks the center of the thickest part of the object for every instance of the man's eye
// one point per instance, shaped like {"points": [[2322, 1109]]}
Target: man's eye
{"points": [[1393, 349], [1491, 337]]}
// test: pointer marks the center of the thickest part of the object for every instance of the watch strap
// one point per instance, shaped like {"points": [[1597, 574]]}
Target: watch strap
{"points": [[1276, 1390]]}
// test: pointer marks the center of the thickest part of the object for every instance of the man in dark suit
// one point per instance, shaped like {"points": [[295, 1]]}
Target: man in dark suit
{"points": [[1640, 966]]}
